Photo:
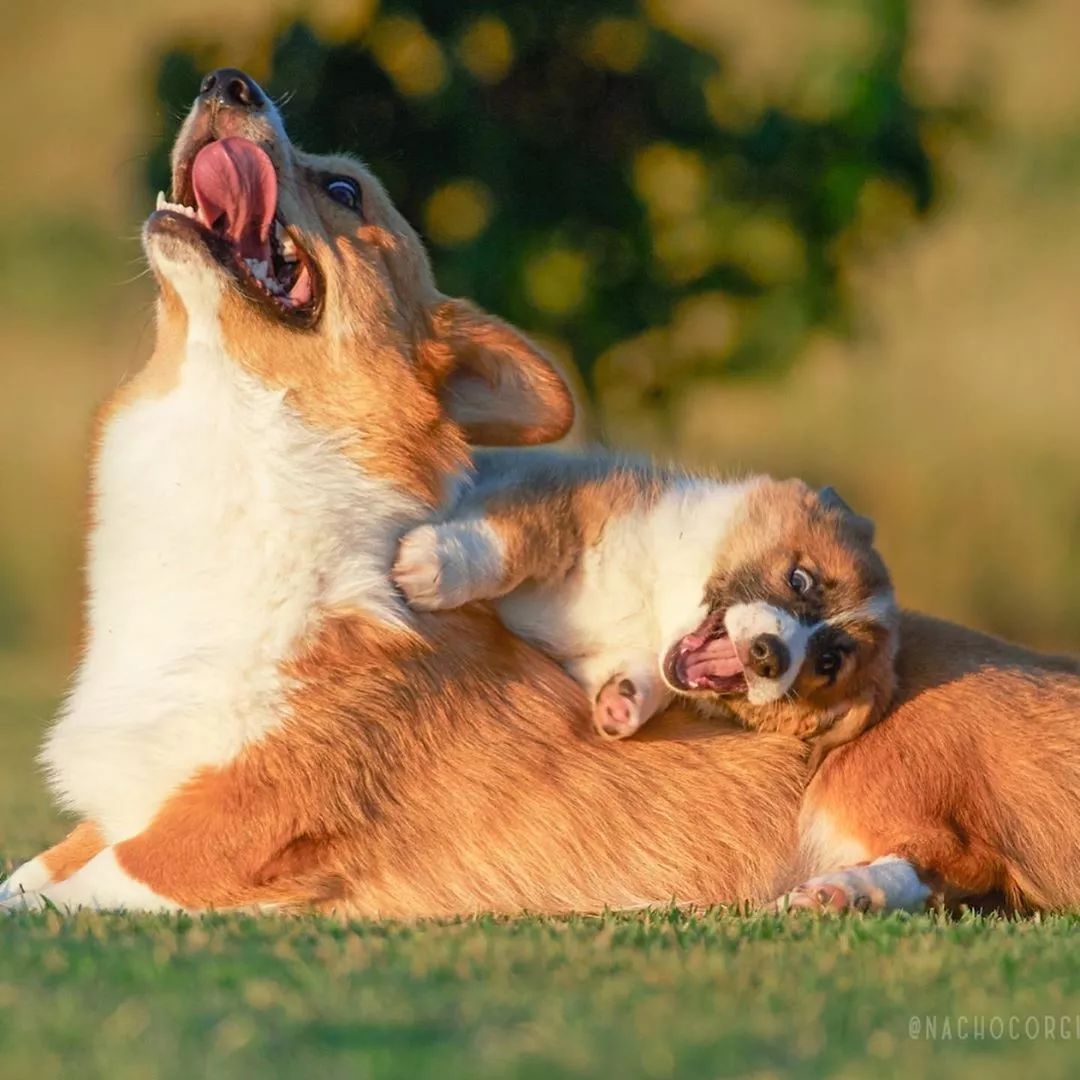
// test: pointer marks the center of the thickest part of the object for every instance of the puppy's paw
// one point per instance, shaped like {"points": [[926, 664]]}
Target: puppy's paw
{"points": [[826, 896], [617, 711], [886, 884], [418, 570]]}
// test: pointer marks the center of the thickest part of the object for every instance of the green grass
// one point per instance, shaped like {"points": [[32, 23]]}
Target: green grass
{"points": [[654, 994]]}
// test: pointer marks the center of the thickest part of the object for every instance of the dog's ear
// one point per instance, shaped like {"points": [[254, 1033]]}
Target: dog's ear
{"points": [[870, 704], [493, 381], [863, 527]]}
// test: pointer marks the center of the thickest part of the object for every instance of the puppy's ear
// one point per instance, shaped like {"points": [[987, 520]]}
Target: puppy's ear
{"points": [[863, 527], [871, 704], [498, 385]]}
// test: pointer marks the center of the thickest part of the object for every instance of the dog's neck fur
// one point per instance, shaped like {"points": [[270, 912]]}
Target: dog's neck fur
{"points": [[223, 529]]}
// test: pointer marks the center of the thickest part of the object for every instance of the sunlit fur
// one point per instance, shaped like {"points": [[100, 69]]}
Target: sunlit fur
{"points": [[608, 563], [973, 777], [388, 764], [786, 524], [258, 720]]}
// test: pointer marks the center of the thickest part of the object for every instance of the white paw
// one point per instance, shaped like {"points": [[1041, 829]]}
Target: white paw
{"points": [[419, 571], [445, 566], [24, 883], [21, 901], [886, 884]]}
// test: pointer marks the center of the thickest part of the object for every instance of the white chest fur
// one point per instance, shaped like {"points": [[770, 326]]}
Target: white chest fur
{"points": [[642, 586], [223, 527]]}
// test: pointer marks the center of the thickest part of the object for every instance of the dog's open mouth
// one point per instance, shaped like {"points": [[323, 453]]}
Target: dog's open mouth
{"points": [[228, 193], [705, 660]]}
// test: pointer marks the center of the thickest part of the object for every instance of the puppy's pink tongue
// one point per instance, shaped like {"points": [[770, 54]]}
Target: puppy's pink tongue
{"points": [[716, 659], [236, 193]]}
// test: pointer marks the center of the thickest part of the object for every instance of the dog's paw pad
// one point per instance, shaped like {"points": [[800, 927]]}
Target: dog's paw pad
{"points": [[832, 895], [617, 709], [418, 569]]}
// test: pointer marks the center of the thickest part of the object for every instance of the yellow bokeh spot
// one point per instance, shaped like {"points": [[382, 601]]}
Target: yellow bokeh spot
{"points": [[633, 365], [340, 20], [728, 105], [769, 248], [618, 44], [704, 325], [487, 49], [685, 249], [409, 55], [557, 280], [458, 212], [672, 181]]}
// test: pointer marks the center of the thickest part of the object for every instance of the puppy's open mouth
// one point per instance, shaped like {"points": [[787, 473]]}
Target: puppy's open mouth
{"points": [[228, 196], [705, 660]]}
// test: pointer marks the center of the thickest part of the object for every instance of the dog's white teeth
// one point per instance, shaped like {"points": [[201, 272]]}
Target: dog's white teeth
{"points": [[177, 208], [286, 246], [260, 270]]}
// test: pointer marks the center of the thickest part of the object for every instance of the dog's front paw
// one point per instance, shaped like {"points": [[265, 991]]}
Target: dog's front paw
{"points": [[418, 569], [21, 901], [20, 891]]}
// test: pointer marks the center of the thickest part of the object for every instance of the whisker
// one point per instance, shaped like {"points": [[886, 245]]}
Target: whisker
{"points": [[144, 272]]}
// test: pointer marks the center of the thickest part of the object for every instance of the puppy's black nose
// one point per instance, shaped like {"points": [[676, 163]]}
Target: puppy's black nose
{"points": [[769, 656], [231, 88]]}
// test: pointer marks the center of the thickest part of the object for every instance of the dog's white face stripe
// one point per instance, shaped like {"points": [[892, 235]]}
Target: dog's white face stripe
{"points": [[879, 608], [744, 622]]}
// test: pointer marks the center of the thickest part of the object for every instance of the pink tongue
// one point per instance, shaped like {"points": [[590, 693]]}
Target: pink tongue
{"points": [[716, 659], [236, 192]]}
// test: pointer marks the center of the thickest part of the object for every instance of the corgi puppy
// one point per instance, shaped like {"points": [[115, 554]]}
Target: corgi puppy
{"points": [[759, 598]]}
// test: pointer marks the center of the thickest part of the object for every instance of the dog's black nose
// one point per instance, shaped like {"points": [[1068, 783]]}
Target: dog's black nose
{"points": [[231, 88], [769, 656]]}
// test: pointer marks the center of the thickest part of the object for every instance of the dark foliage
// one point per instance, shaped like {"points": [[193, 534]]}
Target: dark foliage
{"points": [[555, 124]]}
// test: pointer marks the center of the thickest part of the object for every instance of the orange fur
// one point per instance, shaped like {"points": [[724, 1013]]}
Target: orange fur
{"points": [[974, 776], [415, 781], [74, 851], [446, 770]]}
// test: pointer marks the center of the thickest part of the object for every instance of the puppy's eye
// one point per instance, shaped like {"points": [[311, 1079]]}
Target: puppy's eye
{"points": [[800, 580], [828, 664], [345, 190]]}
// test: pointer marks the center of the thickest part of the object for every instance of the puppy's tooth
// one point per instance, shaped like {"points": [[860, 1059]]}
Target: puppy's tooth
{"points": [[161, 203]]}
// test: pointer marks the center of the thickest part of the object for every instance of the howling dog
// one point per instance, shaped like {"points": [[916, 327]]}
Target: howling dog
{"points": [[260, 721]]}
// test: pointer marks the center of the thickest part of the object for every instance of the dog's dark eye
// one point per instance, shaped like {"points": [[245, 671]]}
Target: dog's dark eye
{"points": [[344, 190], [801, 581], [828, 663]]}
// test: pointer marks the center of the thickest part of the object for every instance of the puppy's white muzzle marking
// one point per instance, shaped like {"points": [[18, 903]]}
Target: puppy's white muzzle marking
{"points": [[744, 622]]}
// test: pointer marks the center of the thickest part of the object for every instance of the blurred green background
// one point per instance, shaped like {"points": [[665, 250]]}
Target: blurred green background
{"points": [[839, 239]]}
